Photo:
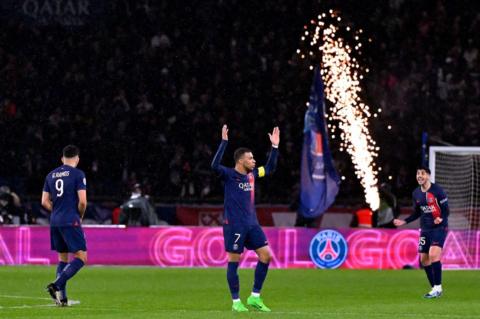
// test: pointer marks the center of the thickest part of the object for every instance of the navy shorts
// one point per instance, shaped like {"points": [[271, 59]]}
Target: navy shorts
{"points": [[67, 239], [428, 238], [238, 237]]}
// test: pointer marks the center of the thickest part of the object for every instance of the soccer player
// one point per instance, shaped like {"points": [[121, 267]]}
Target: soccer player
{"points": [[65, 196], [241, 228], [430, 204]]}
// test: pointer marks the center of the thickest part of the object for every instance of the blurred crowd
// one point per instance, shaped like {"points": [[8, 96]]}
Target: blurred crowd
{"points": [[145, 90]]}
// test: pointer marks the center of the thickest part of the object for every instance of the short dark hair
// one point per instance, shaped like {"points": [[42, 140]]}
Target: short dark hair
{"points": [[70, 151], [239, 153], [424, 168]]}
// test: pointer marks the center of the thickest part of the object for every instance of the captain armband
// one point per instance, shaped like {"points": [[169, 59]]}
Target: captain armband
{"points": [[261, 171]]}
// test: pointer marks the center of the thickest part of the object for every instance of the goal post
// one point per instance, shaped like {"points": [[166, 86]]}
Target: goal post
{"points": [[457, 170]]}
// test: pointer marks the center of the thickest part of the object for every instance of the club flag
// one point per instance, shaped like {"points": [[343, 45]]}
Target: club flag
{"points": [[319, 181]]}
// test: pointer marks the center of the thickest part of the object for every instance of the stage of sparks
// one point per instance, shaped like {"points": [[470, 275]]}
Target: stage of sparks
{"points": [[341, 74]]}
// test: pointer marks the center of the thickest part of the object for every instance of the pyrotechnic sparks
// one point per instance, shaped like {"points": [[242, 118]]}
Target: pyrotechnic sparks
{"points": [[341, 73]]}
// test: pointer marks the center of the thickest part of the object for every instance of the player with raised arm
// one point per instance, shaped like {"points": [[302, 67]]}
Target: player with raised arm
{"points": [[65, 196], [240, 226], [430, 204]]}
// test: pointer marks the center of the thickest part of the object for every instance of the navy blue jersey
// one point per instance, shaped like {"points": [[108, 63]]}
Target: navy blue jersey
{"points": [[429, 205], [239, 203], [63, 183]]}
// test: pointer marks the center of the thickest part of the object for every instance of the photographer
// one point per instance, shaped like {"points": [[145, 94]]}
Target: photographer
{"points": [[10, 207], [137, 210], [388, 210]]}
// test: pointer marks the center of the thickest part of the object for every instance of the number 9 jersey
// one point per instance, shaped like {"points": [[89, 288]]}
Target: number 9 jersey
{"points": [[62, 184]]}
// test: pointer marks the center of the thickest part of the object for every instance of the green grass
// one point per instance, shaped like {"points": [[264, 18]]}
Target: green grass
{"points": [[120, 292]]}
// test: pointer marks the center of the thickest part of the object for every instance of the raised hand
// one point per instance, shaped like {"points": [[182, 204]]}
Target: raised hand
{"points": [[275, 136], [225, 132]]}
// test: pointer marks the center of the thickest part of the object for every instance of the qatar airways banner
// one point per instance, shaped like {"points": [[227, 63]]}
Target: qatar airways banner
{"points": [[203, 247], [68, 13]]}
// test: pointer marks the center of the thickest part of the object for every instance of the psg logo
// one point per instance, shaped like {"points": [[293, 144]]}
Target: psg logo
{"points": [[328, 249]]}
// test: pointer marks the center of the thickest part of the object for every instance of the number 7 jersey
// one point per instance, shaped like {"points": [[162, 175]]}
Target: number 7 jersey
{"points": [[62, 184]]}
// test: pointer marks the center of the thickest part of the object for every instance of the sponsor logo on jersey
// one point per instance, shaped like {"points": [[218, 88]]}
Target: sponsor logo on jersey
{"points": [[246, 186], [428, 209], [328, 249]]}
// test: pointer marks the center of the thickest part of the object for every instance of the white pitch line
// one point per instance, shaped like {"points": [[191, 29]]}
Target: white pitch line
{"points": [[73, 302], [24, 297], [70, 302], [29, 306]]}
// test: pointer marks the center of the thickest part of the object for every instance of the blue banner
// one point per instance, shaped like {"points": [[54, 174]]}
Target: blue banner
{"points": [[319, 182]]}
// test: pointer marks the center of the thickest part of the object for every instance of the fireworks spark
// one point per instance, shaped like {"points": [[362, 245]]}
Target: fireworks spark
{"points": [[342, 73]]}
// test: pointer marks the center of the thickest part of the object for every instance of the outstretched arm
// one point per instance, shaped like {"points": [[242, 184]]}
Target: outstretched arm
{"points": [[272, 158], [221, 149], [416, 214]]}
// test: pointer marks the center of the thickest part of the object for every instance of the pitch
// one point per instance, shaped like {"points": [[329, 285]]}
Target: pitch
{"points": [[141, 292]]}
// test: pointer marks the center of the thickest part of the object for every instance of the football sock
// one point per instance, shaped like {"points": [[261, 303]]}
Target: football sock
{"points": [[437, 273], [68, 272], [260, 275], [429, 271], [60, 267], [233, 281]]}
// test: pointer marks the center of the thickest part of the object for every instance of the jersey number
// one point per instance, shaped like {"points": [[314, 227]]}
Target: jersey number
{"points": [[422, 241], [59, 187], [238, 237]]}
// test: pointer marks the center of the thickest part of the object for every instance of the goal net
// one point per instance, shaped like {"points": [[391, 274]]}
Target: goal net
{"points": [[457, 170]]}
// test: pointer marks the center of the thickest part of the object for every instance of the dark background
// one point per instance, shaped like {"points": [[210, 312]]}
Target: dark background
{"points": [[144, 88]]}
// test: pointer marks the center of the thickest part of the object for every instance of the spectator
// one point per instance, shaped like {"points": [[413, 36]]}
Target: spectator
{"points": [[151, 80], [383, 217], [10, 207], [137, 210]]}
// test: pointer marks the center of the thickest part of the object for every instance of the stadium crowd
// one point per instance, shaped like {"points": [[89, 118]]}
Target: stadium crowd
{"points": [[144, 91]]}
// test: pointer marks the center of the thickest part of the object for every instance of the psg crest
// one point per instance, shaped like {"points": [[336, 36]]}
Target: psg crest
{"points": [[328, 249]]}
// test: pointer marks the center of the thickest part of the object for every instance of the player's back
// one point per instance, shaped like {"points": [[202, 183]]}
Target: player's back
{"points": [[63, 184]]}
